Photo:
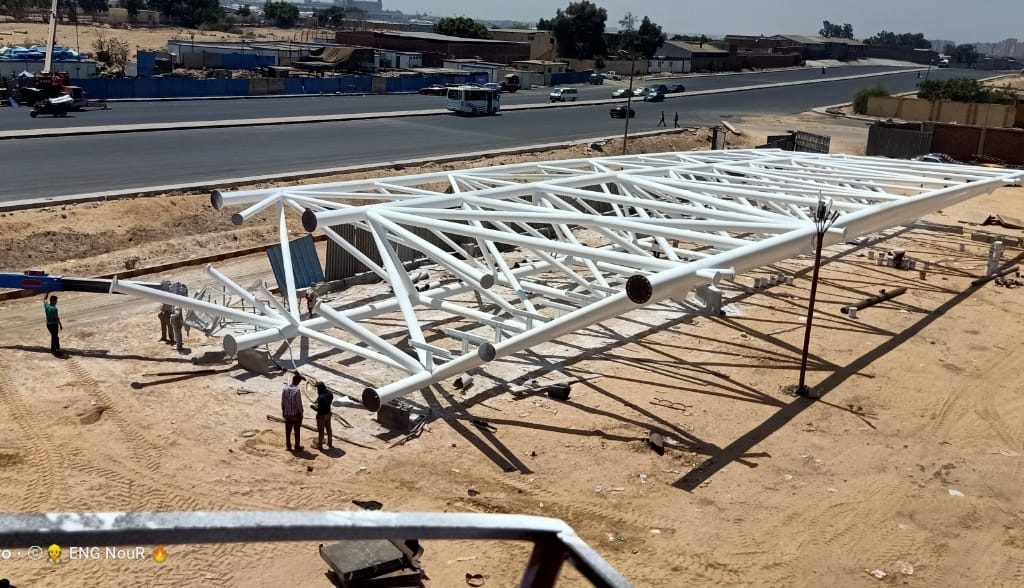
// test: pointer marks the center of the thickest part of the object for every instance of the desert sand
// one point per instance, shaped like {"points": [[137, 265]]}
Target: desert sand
{"points": [[912, 463]]}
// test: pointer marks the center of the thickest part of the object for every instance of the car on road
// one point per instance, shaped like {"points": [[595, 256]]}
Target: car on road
{"points": [[563, 95], [620, 93], [434, 90], [611, 75], [637, 92], [493, 86], [654, 96], [596, 79], [676, 89], [620, 112]]}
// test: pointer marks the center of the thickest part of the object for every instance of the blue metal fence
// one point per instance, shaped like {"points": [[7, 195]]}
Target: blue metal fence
{"points": [[570, 77]]}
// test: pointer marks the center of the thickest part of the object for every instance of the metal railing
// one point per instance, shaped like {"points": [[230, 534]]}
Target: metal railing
{"points": [[554, 542]]}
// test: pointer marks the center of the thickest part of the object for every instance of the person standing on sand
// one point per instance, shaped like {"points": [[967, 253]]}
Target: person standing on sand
{"points": [[291, 411], [53, 324], [324, 400]]}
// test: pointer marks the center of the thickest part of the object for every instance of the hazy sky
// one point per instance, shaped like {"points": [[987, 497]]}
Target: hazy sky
{"points": [[937, 19]]}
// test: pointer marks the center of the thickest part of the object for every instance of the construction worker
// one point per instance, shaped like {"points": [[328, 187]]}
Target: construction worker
{"points": [[165, 323], [176, 323], [291, 411], [324, 400], [53, 324]]}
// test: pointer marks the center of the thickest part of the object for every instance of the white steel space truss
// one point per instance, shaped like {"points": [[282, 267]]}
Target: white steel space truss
{"points": [[530, 252]]}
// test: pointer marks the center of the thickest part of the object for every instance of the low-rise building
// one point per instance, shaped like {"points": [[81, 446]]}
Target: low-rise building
{"points": [[681, 56], [435, 48], [542, 69], [542, 43], [493, 70], [815, 47]]}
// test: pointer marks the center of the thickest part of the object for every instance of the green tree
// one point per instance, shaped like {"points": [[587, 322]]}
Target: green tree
{"points": [[906, 40], [963, 90], [545, 24], [189, 13], [461, 26], [860, 99], [645, 40], [837, 31], [579, 30], [332, 16], [965, 54], [133, 7], [282, 14], [92, 6], [245, 11]]}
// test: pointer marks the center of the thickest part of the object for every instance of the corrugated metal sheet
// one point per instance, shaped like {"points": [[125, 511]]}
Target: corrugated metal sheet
{"points": [[341, 265], [897, 142], [305, 263]]}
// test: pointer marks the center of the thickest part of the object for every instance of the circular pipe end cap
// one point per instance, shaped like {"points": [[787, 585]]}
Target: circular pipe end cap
{"points": [[217, 199], [486, 352], [237, 219], [309, 220], [639, 289], [487, 281], [371, 401], [230, 345]]}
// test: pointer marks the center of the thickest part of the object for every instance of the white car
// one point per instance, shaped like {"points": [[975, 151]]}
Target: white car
{"points": [[493, 86]]}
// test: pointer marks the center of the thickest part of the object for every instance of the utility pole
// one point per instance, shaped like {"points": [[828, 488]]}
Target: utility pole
{"points": [[824, 217], [631, 55]]}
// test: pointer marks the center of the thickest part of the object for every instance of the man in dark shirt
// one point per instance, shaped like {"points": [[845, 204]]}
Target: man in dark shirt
{"points": [[324, 399], [53, 323], [291, 410]]}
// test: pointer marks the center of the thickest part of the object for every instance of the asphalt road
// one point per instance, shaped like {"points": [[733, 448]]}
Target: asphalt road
{"points": [[74, 165], [206, 110]]}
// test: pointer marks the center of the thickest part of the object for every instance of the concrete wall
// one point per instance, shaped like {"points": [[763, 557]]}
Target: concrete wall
{"points": [[965, 113], [967, 142], [669, 65]]}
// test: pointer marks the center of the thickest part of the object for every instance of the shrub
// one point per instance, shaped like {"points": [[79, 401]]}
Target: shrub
{"points": [[860, 99]]}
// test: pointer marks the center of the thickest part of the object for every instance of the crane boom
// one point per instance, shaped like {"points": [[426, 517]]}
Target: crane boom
{"points": [[51, 38]]}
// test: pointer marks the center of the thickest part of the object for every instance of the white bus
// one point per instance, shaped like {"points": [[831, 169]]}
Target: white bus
{"points": [[473, 100]]}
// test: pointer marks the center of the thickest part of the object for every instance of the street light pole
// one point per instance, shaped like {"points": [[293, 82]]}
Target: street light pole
{"points": [[629, 100], [929, 70], [824, 217]]}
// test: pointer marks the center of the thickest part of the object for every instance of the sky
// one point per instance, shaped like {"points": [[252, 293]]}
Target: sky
{"points": [[937, 19]]}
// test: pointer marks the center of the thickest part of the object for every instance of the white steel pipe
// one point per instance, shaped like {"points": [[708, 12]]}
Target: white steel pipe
{"points": [[125, 287], [368, 337], [286, 258], [242, 292]]}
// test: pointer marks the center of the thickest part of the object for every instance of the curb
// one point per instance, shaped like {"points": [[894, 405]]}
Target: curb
{"points": [[202, 125], [15, 205]]}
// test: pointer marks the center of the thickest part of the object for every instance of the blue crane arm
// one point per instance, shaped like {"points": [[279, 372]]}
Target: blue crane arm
{"points": [[39, 282]]}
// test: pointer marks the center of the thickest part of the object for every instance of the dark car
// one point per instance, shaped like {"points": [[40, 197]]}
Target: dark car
{"points": [[654, 96], [434, 90], [659, 88], [596, 79], [620, 112], [677, 89], [620, 93]]}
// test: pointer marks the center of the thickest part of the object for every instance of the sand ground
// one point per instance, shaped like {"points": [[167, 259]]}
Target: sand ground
{"points": [[756, 487]]}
